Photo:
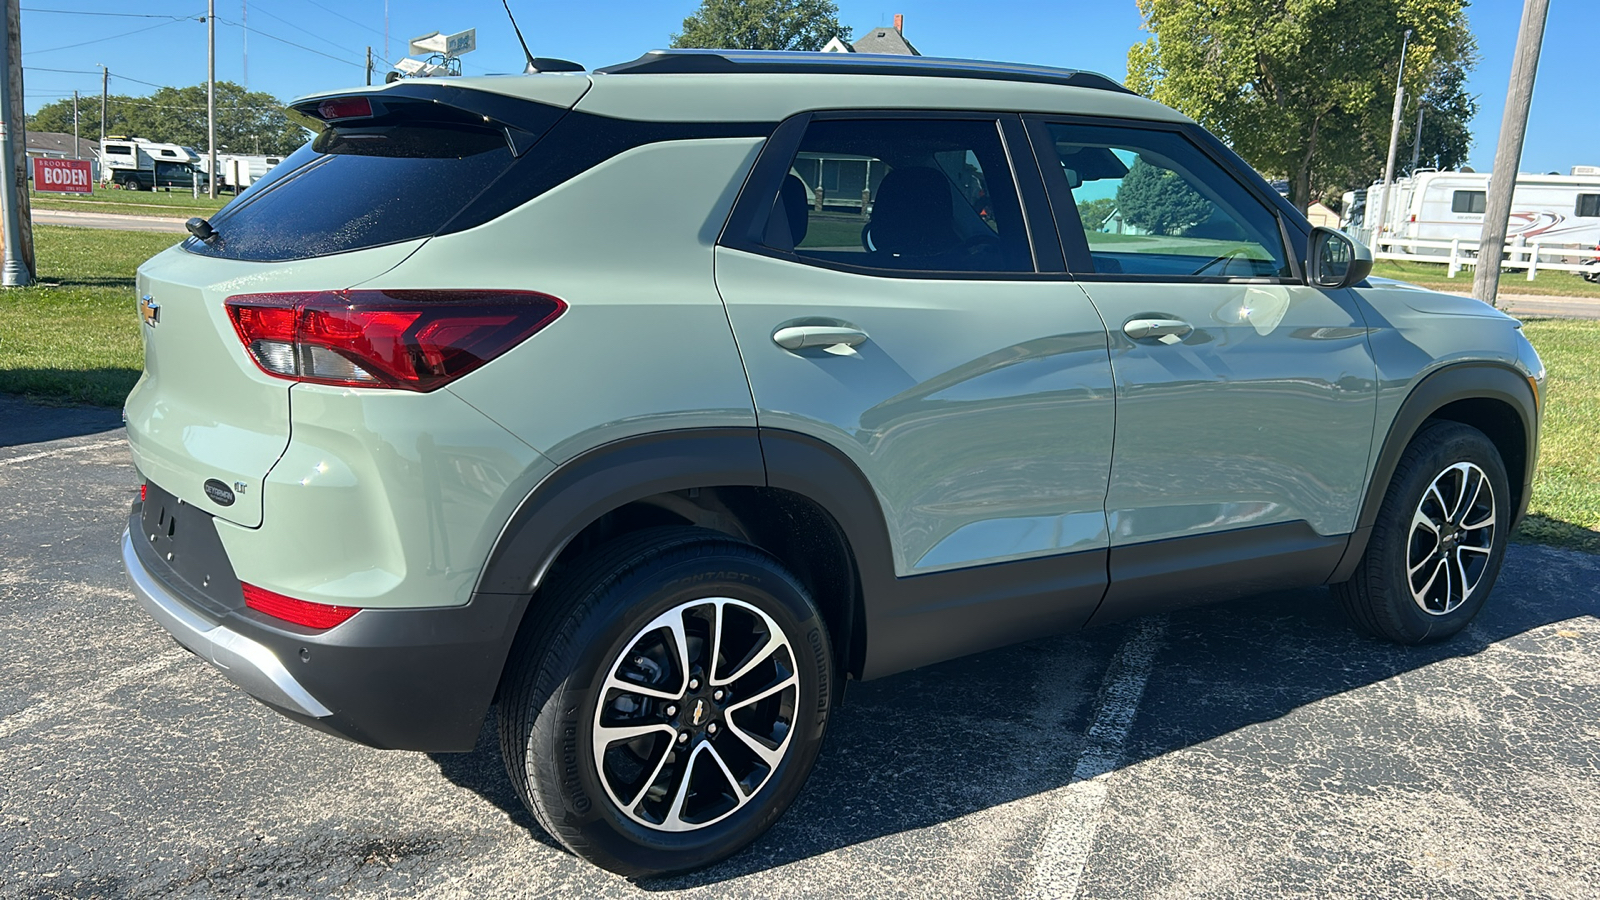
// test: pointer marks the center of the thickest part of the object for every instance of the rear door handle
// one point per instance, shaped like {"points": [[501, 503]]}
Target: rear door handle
{"points": [[800, 337], [1168, 331]]}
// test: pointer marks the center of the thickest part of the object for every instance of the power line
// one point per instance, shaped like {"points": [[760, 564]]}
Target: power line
{"points": [[273, 37], [81, 12], [109, 37], [297, 28]]}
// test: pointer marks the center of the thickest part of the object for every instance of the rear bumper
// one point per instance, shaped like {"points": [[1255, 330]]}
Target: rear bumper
{"points": [[246, 663], [401, 679]]}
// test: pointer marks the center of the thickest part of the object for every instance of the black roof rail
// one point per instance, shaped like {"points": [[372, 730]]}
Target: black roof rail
{"points": [[790, 62]]}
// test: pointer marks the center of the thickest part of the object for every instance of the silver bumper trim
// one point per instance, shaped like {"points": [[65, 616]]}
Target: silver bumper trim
{"points": [[244, 662]]}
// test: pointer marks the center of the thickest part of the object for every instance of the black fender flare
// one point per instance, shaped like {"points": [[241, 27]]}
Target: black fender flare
{"points": [[604, 478], [1438, 389]]}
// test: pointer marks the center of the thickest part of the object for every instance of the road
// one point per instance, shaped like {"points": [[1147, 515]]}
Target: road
{"points": [[111, 221], [1256, 749]]}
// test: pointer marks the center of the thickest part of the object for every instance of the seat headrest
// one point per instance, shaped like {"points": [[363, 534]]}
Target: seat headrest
{"points": [[913, 214]]}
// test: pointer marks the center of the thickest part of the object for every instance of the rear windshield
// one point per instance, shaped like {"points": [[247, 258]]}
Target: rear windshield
{"points": [[354, 186]]}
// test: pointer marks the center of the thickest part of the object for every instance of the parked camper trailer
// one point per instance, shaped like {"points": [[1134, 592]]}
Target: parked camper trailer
{"points": [[238, 171], [1552, 210], [140, 165]]}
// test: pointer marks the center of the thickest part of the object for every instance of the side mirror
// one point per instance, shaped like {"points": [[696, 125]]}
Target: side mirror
{"points": [[1337, 260]]}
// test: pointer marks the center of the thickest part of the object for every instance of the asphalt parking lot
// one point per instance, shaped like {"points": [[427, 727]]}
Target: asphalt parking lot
{"points": [[1256, 749]]}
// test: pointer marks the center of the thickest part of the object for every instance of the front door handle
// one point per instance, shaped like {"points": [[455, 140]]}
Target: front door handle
{"points": [[1168, 331], [801, 337]]}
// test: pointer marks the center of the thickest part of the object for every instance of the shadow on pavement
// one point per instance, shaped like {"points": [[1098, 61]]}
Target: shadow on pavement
{"points": [[930, 746], [24, 422]]}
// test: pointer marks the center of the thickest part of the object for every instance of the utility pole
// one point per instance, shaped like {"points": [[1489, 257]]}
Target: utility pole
{"points": [[1508, 153], [77, 149], [211, 95], [1394, 140], [244, 15], [105, 84], [14, 219], [369, 65], [1416, 145]]}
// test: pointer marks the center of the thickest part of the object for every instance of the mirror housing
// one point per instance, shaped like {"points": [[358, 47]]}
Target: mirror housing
{"points": [[1336, 260]]}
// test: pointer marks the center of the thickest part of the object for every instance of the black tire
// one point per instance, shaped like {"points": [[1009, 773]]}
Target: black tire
{"points": [[550, 709], [1382, 597]]}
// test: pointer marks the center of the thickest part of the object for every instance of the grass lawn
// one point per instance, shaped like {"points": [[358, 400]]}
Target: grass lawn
{"points": [[173, 204], [74, 336], [1565, 508], [1547, 283]]}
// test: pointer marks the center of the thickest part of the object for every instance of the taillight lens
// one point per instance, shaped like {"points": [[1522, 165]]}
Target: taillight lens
{"points": [[345, 108], [300, 612], [411, 340]]}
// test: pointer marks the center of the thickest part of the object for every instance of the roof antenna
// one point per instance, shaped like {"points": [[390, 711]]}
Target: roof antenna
{"points": [[532, 67]]}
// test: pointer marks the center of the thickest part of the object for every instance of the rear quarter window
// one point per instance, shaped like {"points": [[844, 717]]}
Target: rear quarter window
{"points": [[399, 176]]}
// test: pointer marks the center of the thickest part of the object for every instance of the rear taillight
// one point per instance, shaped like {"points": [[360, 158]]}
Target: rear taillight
{"points": [[345, 108], [300, 612], [412, 340]]}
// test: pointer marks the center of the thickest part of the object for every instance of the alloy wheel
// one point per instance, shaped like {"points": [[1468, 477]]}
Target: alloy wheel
{"points": [[695, 714], [1451, 539]]}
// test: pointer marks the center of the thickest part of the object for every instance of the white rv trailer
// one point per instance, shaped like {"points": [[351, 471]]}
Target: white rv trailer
{"points": [[239, 171], [1552, 210]]}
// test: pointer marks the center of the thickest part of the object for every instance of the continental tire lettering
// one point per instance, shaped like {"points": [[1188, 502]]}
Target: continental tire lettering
{"points": [[703, 577], [570, 778], [814, 638]]}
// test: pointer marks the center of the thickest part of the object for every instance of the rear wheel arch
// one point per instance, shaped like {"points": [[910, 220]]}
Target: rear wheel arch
{"points": [[1491, 397], [814, 512]]}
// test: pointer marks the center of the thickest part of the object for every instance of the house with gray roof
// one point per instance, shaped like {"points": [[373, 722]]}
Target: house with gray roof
{"points": [[878, 40]]}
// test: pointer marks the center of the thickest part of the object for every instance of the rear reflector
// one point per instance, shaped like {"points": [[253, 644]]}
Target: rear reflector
{"points": [[411, 340], [300, 612], [345, 108]]}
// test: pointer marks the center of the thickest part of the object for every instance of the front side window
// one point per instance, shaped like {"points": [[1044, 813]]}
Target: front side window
{"points": [[911, 195], [1589, 205], [1152, 204], [1467, 202]]}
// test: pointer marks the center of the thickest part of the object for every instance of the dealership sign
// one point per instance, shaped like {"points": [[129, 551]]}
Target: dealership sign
{"points": [[67, 176]]}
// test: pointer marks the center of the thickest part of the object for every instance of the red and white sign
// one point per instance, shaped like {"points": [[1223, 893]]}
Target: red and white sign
{"points": [[65, 176]]}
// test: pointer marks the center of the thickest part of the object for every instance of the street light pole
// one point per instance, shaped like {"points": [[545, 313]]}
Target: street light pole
{"points": [[14, 272], [1508, 153], [1394, 141], [211, 95]]}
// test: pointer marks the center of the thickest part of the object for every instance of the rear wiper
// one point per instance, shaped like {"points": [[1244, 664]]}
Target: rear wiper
{"points": [[202, 229]]}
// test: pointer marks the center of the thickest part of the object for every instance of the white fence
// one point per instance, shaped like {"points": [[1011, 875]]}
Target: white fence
{"points": [[1458, 254]]}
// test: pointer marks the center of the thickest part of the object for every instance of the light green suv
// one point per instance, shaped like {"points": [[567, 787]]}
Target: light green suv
{"points": [[652, 404]]}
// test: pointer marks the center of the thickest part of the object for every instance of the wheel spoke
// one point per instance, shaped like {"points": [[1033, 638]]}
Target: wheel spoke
{"points": [[1464, 547], [716, 644], [680, 637], [767, 754], [726, 773], [674, 816], [1461, 571], [606, 735], [1489, 520], [1467, 507], [757, 698], [655, 772], [1461, 494], [773, 645], [1444, 508], [1421, 519], [1421, 594], [633, 687]]}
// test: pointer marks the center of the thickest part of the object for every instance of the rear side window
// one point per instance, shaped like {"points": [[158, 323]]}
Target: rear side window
{"points": [[1467, 202], [364, 183], [1589, 205], [910, 195]]}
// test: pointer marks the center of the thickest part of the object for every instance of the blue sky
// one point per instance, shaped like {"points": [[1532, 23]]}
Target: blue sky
{"points": [[332, 35]]}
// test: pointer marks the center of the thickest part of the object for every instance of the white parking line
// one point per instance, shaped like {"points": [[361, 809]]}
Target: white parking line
{"points": [[87, 695], [76, 448], [1060, 859]]}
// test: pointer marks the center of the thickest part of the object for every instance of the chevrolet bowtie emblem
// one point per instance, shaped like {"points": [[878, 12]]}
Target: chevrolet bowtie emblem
{"points": [[699, 711], [150, 310]]}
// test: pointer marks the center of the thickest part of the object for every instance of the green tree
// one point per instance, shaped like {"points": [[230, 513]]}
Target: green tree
{"points": [[1302, 89], [1159, 201], [1447, 111], [247, 121], [762, 25], [1093, 213]]}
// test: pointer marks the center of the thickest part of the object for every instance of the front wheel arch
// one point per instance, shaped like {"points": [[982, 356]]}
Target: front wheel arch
{"points": [[1491, 397]]}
